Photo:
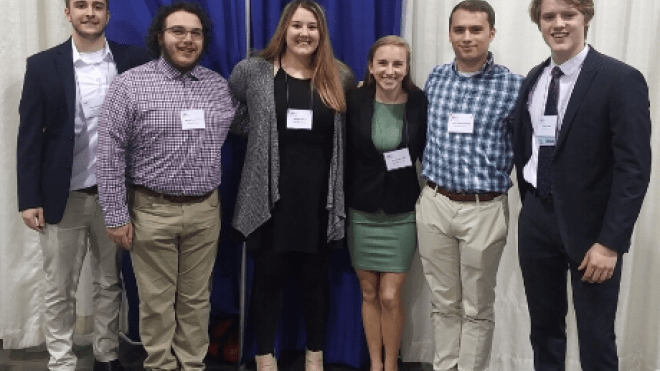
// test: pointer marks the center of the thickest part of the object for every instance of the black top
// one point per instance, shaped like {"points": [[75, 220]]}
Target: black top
{"points": [[299, 218], [370, 187]]}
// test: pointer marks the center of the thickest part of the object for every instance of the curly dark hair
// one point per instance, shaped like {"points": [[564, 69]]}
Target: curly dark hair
{"points": [[158, 24]]}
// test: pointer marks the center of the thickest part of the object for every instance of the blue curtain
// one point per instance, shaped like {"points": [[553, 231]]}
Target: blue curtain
{"points": [[128, 24], [354, 26]]}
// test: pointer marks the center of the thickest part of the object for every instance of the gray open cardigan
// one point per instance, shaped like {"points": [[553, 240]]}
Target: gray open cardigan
{"points": [[252, 83]]}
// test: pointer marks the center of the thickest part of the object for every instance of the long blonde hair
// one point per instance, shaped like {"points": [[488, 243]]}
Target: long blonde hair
{"points": [[326, 77]]}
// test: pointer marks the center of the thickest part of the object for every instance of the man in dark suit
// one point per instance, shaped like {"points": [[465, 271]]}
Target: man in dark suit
{"points": [[62, 93], [583, 161]]}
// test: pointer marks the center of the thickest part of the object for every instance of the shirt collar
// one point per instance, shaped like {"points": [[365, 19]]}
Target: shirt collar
{"points": [[173, 73], [484, 69], [107, 53], [572, 65]]}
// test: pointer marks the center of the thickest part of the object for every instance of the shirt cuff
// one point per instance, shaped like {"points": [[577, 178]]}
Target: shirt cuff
{"points": [[117, 218]]}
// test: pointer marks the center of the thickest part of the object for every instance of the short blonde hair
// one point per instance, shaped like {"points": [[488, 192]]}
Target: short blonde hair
{"points": [[586, 7]]}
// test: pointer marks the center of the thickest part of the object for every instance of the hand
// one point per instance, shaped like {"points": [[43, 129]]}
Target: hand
{"points": [[122, 236], [598, 264], [34, 218]]}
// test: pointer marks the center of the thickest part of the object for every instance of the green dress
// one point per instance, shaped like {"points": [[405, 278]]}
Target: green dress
{"points": [[377, 241]]}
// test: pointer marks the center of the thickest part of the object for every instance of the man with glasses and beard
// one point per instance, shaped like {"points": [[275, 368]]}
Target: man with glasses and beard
{"points": [[63, 90], [161, 130]]}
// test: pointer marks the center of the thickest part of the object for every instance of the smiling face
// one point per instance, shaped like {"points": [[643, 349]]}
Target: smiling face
{"points": [[563, 29], [388, 67], [470, 35], [88, 17], [302, 34], [182, 53]]}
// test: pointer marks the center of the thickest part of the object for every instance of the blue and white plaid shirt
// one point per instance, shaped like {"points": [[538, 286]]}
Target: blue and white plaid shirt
{"points": [[478, 162]]}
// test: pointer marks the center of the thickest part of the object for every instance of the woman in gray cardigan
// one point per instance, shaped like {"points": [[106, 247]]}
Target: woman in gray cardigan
{"points": [[290, 203]]}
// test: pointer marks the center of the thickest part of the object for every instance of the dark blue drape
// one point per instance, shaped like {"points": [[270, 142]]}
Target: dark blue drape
{"points": [[354, 26]]}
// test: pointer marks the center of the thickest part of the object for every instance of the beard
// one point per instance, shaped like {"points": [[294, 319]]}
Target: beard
{"points": [[168, 57]]}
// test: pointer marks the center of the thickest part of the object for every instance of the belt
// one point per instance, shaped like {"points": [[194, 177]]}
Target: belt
{"points": [[463, 197], [172, 198], [92, 191]]}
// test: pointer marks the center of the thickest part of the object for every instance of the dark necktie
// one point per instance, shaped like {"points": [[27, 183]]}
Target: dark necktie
{"points": [[544, 171]]}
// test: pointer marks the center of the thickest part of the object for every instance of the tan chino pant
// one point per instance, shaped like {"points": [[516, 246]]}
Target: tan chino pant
{"points": [[173, 253], [460, 244], [64, 246]]}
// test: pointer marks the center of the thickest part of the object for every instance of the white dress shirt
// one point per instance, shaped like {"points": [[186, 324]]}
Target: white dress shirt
{"points": [[94, 72], [538, 96]]}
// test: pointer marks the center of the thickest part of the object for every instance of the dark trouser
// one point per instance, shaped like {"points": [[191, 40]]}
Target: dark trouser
{"points": [[271, 271], [544, 263]]}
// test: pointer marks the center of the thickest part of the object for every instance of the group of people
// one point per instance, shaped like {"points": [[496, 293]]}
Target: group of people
{"points": [[116, 149]]}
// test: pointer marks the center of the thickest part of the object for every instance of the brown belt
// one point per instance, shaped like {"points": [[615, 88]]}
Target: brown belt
{"points": [[463, 197], [172, 198], [92, 191]]}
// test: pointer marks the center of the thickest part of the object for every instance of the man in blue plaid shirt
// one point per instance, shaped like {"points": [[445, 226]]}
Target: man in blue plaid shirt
{"points": [[462, 214]]}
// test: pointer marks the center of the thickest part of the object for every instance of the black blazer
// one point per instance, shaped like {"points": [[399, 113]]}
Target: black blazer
{"points": [[602, 161], [370, 186], [46, 131]]}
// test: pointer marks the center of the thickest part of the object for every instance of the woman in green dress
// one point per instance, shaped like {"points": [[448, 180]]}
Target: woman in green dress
{"points": [[386, 134]]}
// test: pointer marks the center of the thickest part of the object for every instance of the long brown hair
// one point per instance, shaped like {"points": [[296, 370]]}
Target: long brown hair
{"points": [[326, 77], [407, 83]]}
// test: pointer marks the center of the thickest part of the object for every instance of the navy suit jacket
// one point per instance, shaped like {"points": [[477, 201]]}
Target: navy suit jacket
{"points": [[602, 161], [46, 131], [370, 186]]}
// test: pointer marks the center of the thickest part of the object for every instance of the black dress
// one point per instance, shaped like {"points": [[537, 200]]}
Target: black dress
{"points": [[299, 219]]}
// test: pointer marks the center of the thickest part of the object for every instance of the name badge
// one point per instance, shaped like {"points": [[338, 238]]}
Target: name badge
{"points": [[299, 119], [546, 131], [461, 123], [397, 159], [193, 119]]}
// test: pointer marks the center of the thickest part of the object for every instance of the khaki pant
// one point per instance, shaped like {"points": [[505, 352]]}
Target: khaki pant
{"points": [[64, 246], [174, 250], [460, 244]]}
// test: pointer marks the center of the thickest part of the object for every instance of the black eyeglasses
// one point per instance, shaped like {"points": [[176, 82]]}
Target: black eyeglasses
{"points": [[181, 32]]}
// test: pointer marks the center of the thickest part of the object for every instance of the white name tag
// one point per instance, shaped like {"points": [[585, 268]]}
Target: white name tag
{"points": [[193, 119], [397, 159], [299, 119], [547, 130], [461, 123]]}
